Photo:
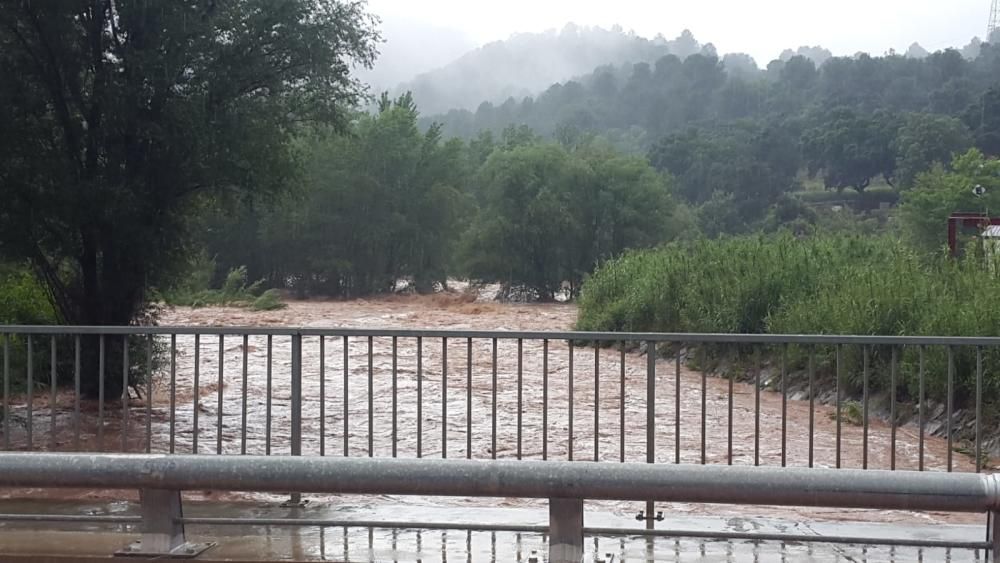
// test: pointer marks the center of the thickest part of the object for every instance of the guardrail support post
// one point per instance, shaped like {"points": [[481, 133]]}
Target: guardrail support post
{"points": [[162, 528], [994, 534], [565, 530], [650, 418], [296, 400]]}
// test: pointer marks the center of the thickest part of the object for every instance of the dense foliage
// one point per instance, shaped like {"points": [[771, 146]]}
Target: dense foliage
{"points": [[548, 214], [677, 91], [127, 120], [817, 285], [940, 192], [736, 137], [386, 202]]}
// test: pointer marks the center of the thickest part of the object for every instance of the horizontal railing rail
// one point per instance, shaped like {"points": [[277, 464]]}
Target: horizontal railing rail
{"points": [[583, 336], [771, 486], [566, 485]]}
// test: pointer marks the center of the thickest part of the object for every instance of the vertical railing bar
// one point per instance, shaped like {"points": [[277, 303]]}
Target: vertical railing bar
{"points": [[621, 402], [545, 399], [173, 391], [893, 373], [866, 353], [784, 405], [322, 395], [812, 406], [100, 392], [468, 398], [979, 407], [444, 397], [493, 447], [371, 398], [222, 363], [269, 384], [420, 397], [244, 401], [756, 409], [52, 393], [920, 409], [597, 401], [31, 394], [650, 417], [295, 399], [704, 416], [197, 393], [572, 385], [732, 378], [677, 405], [839, 400], [347, 395], [520, 395], [395, 394], [149, 393], [4, 409], [76, 393], [124, 397], [951, 401]]}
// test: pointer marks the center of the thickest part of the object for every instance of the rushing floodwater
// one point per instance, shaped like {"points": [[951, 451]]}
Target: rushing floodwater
{"points": [[324, 413]]}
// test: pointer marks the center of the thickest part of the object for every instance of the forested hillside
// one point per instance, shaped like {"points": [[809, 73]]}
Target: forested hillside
{"points": [[528, 63], [641, 102]]}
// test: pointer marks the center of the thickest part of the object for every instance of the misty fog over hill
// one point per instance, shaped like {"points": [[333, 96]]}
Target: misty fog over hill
{"points": [[445, 71], [528, 63]]}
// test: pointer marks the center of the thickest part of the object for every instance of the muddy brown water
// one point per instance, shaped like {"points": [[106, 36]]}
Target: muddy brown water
{"points": [[324, 420]]}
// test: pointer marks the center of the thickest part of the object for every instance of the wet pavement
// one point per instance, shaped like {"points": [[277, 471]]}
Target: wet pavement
{"points": [[278, 543]]}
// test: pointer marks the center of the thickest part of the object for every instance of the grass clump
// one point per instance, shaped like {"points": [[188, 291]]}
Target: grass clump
{"points": [[270, 300], [234, 292]]}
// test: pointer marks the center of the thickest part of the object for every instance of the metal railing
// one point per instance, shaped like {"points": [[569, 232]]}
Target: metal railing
{"points": [[161, 478], [527, 395]]}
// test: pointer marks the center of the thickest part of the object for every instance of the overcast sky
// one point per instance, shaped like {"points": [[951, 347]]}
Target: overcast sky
{"points": [[762, 28]]}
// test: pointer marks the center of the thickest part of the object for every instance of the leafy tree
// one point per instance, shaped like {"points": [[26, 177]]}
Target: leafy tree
{"points": [[983, 117], [925, 139], [747, 165], [851, 149], [548, 215], [939, 192], [378, 204], [128, 119]]}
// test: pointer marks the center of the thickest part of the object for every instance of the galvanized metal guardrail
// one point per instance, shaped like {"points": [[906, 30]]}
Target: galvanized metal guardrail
{"points": [[523, 395], [422, 344], [566, 485]]}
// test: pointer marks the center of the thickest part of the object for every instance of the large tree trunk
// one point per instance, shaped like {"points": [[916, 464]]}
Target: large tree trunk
{"points": [[110, 293]]}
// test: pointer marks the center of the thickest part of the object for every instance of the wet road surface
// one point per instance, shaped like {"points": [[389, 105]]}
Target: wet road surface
{"points": [[366, 544]]}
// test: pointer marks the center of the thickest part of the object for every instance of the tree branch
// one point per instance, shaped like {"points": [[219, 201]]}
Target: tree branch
{"points": [[54, 84]]}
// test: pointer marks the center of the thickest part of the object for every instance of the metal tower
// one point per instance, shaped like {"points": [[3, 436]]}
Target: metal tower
{"points": [[994, 19]]}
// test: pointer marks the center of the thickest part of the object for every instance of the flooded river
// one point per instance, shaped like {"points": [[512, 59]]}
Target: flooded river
{"points": [[361, 420]]}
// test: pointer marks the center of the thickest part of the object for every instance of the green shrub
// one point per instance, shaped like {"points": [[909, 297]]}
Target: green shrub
{"points": [[268, 301], [23, 301], [234, 292], [817, 285]]}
